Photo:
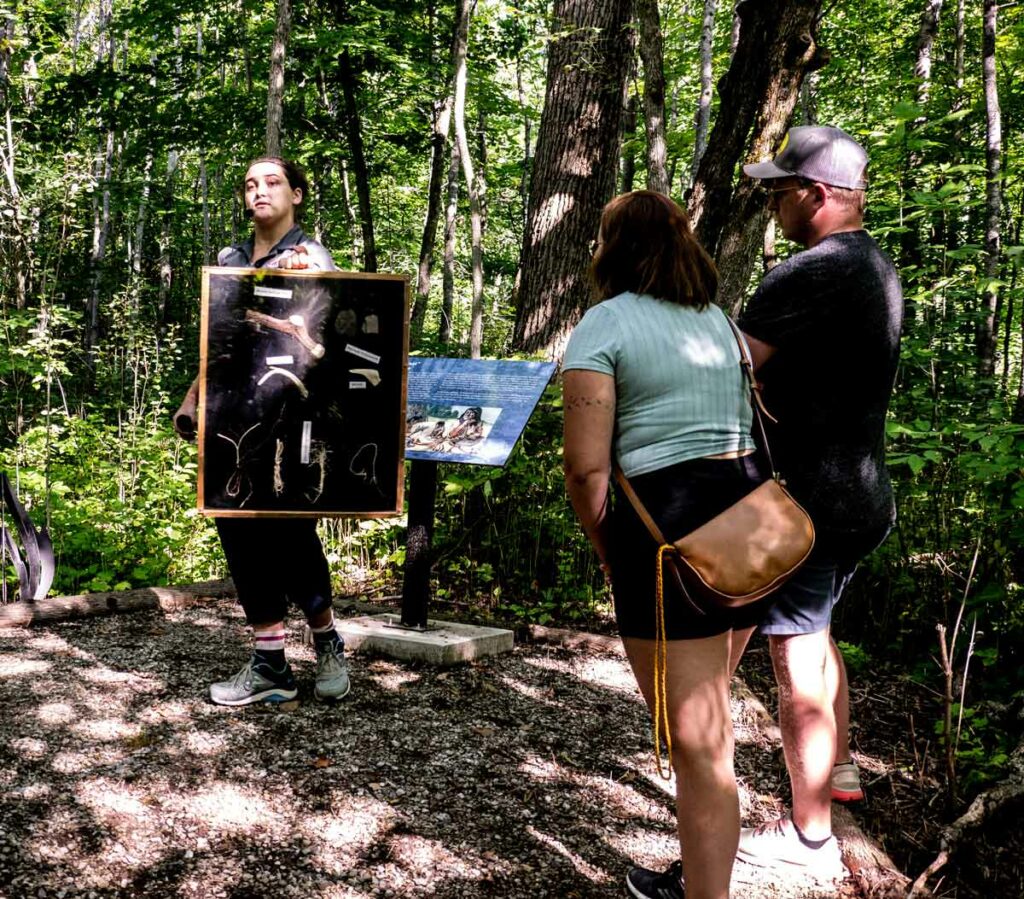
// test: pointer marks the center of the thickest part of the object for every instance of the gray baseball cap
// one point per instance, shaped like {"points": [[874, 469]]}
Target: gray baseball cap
{"points": [[818, 153]]}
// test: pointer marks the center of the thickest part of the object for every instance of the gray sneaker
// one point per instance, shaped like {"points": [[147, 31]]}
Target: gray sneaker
{"points": [[331, 672], [255, 683]]}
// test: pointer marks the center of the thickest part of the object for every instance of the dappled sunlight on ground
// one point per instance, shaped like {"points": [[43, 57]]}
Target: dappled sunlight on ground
{"points": [[526, 775]]}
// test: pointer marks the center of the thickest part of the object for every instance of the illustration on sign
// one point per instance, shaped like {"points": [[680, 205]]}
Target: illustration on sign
{"points": [[470, 410], [302, 391]]}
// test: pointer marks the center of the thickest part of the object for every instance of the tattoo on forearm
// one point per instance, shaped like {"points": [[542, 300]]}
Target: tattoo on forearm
{"points": [[584, 402]]}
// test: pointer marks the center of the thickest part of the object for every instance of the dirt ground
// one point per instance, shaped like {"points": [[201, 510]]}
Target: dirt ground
{"points": [[529, 774]]}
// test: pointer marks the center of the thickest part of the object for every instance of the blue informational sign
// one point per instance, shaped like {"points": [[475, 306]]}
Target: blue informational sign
{"points": [[470, 410]]}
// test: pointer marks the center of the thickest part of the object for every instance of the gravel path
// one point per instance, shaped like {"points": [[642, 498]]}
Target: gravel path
{"points": [[526, 775]]}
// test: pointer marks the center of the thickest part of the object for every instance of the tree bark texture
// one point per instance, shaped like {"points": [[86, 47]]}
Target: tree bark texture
{"points": [[354, 133], [444, 326], [777, 47], [627, 164], [652, 57], [476, 328], [702, 117], [442, 117], [926, 35], [574, 167], [986, 340], [275, 88]]}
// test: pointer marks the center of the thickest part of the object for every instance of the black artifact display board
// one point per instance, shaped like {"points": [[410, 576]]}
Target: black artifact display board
{"points": [[302, 389]]}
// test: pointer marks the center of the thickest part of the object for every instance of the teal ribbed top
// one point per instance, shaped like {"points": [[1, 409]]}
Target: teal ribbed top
{"points": [[680, 392]]}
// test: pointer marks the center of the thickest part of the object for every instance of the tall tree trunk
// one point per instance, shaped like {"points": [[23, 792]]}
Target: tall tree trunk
{"points": [[350, 214], [105, 54], [476, 328], [776, 48], [927, 32], [275, 87], [354, 132], [627, 165], [986, 339], [652, 56], [166, 270], [574, 169], [444, 326], [442, 115], [702, 118]]}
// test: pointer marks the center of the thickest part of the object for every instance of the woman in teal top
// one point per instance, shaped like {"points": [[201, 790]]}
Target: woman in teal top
{"points": [[652, 378]]}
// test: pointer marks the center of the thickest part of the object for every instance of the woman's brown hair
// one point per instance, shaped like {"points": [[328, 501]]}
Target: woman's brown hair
{"points": [[647, 246]]}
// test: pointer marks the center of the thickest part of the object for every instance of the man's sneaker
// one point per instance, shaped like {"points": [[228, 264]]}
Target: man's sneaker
{"points": [[777, 844], [332, 681], [646, 884], [846, 783], [255, 683]]}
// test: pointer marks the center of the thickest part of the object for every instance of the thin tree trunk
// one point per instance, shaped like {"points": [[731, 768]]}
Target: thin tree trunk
{"points": [[275, 88], [444, 326], [702, 118], [651, 54], [575, 167], [986, 340], [354, 132], [627, 165], [927, 32], [809, 99], [442, 115], [476, 328], [350, 214], [166, 270], [101, 205]]}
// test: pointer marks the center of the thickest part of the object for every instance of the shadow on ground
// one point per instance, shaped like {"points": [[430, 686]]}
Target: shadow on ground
{"points": [[526, 775]]}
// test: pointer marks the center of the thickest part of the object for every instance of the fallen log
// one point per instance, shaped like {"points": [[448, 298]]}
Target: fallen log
{"points": [[60, 608]]}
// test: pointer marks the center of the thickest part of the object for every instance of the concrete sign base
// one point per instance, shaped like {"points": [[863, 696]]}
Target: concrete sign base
{"points": [[442, 643]]}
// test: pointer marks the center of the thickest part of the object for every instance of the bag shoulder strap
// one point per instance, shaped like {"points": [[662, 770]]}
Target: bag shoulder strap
{"points": [[747, 365], [756, 401]]}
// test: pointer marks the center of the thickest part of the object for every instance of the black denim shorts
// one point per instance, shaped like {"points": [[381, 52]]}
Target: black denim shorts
{"points": [[679, 498]]}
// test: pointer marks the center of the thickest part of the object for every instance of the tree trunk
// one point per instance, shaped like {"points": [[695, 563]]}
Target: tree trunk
{"points": [[926, 35], [476, 328], [574, 167], [354, 132], [442, 116], [651, 55], [627, 165], [444, 326], [986, 338], [776, 48], [275, 88], [702, 118], [166, 223]]}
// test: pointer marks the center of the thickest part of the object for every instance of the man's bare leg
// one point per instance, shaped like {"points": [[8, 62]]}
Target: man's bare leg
{"points": [[839, 690], [808, 725]]}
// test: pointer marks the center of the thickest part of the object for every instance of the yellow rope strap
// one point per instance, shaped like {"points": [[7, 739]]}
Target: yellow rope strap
{"points": [[660, 672]]}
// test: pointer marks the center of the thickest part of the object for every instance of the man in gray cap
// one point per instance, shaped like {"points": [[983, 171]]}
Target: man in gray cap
{"points": [[824, 330]]}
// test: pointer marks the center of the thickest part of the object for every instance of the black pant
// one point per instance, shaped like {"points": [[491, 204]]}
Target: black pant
{"points": [[272, 561]]}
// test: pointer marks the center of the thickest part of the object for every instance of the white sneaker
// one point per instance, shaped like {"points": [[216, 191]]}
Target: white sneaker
{"points": [[846, 783], [776, 844]]}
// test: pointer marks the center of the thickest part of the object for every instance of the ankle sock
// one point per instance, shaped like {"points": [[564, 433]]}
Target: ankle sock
{"points": [[810, 844], [326, 635], [268, 647]]}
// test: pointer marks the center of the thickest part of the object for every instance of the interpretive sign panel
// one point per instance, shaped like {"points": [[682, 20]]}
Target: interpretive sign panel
{"points": [[470, 410], [302, 393]]}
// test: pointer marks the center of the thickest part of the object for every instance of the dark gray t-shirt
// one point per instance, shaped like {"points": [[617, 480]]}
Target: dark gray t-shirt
{"points": [[834, 314]]}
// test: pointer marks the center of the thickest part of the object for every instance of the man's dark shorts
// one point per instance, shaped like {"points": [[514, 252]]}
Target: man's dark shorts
{"points": [[803, 605]]}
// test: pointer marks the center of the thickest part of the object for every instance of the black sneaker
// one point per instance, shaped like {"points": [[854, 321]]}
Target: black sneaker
{"points": [[646, 884]]}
